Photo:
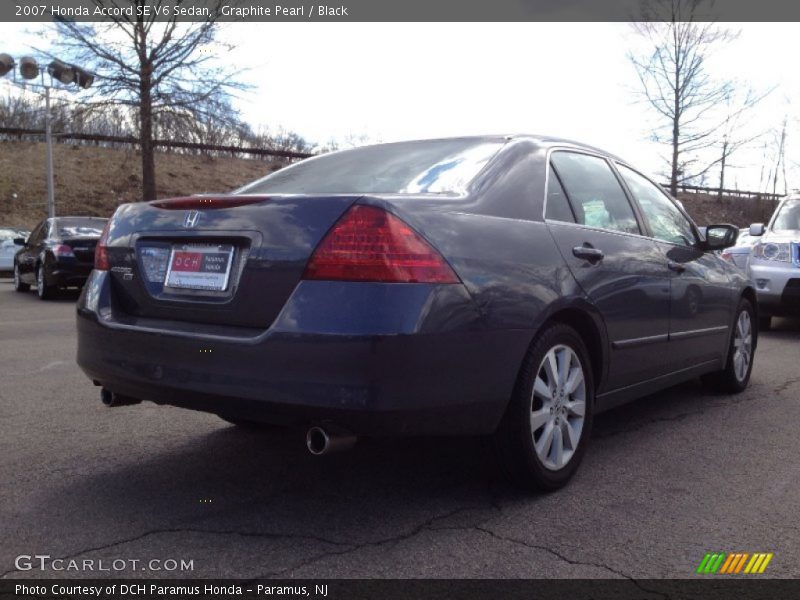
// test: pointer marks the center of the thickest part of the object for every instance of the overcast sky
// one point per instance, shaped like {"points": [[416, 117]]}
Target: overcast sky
{"points": [[418, 80]]}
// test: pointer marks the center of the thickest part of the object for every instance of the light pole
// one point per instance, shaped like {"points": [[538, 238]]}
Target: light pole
{"points": [[62, 72]]}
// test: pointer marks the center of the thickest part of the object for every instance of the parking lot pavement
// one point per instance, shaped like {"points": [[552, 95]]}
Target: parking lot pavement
{"points": [[666, 480]]}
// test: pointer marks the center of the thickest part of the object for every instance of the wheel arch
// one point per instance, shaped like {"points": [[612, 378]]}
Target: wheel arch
{"points": [[591, 334]]}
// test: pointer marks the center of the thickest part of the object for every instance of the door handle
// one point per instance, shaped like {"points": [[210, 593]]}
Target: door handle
{"points": [[677, 267], [588, 253]]}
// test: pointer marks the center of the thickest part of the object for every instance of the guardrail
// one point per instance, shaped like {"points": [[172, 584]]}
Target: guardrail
{"points": [[130, 140], [233, 150], [696, 189]]}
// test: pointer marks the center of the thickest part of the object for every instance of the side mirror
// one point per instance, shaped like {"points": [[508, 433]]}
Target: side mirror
{"points": [[719, 237], [19, 241], [757, 229]]}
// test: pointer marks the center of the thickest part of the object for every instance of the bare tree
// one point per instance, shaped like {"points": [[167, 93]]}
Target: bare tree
{"points": [[154, 66], [734, 133], [780, 163], [675, 80]]}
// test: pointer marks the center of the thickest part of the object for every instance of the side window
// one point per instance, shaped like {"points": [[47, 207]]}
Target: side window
{"points": [[557, 204], [36, 235], [594, 192], [666, 221]]}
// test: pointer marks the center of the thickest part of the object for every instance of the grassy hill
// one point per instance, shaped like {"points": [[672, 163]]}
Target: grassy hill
{"points": [[94, 181]]}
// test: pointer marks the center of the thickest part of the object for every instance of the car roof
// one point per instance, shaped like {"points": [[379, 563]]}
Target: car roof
{"points": [[544, 141]]}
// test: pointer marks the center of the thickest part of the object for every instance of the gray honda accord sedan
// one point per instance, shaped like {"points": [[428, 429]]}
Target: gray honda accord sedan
{"points": [[511, 286]]}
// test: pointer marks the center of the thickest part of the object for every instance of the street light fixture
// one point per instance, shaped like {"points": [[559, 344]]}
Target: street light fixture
{"points": [[61, 72], [6, 63], [28, 67]]}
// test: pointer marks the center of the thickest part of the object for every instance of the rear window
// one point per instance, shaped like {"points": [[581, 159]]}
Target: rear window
{"points": [[428, 167], [66, 227]]}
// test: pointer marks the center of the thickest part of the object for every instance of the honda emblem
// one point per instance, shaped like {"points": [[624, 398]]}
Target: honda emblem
{"points": [[192, 217]]}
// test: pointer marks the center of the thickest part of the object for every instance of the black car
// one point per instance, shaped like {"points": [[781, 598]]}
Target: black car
{"points": [[512, 286], [58, 253]]}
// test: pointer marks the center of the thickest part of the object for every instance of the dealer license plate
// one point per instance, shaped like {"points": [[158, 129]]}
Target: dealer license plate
{"points": [[200, 267]]}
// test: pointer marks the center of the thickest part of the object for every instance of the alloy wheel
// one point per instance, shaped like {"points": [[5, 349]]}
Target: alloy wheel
{"points": [[742, 345], [558, 407]]}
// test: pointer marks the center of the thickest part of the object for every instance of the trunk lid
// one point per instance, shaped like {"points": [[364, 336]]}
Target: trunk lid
{"points": [[227, 260], [82, 248]]}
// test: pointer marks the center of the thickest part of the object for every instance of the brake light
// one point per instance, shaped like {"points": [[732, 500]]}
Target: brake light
{"points": [[206, 202], [63, 251], [370, 244], [101, 250]]}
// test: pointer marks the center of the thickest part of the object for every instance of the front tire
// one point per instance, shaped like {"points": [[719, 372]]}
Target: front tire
{"points": [[543, 435], [735, 377], [44, 291], [19, 286]]}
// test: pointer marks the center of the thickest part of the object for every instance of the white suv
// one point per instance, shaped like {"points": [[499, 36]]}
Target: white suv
{"points": [[774, 264]]}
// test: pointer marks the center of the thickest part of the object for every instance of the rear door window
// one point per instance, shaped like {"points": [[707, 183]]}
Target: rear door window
{"points": [[594, 192], [558, 208]]}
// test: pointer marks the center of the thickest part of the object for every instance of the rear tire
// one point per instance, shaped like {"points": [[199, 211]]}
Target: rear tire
{"points": [[19, 286], [735, 377], [544, 433], [44, 291]]}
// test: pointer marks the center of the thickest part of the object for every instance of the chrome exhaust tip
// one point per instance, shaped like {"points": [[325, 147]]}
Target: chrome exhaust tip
{"points": [[321, 440], [111, 399]]}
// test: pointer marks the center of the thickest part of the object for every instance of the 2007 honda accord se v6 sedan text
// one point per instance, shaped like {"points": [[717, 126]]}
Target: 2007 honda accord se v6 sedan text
{"points": [[509, 285]]}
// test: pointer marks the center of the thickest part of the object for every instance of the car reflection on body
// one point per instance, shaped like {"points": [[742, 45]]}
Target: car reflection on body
{"points": [[739, 253], [509, 286]]}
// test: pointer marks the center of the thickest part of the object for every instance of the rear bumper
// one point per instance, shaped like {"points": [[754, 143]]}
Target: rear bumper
{"points": [[67, 272], [455, 381]]}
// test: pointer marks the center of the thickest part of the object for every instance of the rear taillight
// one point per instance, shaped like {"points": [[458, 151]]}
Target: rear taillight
{"points": [[101, 250], [63, 251], [370, 244], [206, 202]]}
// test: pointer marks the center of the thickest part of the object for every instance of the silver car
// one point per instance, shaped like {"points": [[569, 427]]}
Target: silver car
{"points": [[774, 264], [8, 248], [739, 253]]}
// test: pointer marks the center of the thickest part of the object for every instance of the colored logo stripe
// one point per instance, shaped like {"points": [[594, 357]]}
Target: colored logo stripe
{"points": [[725, 563]]}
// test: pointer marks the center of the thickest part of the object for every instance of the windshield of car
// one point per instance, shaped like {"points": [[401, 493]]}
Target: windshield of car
{"points": [[432, 167], [79, 227], [788, 217]]}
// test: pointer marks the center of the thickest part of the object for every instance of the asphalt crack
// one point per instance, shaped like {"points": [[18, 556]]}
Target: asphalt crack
{"points": [[425, 526], [567, 559], [785, 385], [678, 417]]}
